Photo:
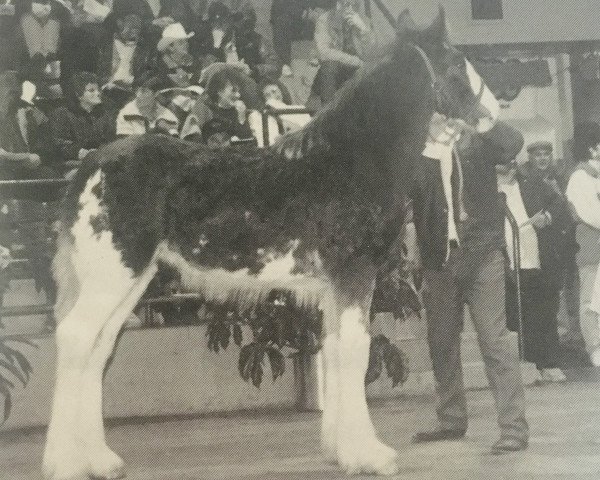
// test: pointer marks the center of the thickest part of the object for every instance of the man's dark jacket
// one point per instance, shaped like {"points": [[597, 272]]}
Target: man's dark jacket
{"points": [[482, 227], [553, 240]]}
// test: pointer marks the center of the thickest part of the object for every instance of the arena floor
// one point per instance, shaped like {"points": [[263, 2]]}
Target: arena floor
{"points": [[565, 443]]}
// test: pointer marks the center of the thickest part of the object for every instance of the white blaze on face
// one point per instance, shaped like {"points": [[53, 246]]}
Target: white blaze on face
{"points": [[488, 102]]}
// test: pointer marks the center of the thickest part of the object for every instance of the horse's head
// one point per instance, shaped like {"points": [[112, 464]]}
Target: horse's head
{"points": [[458, 89]]}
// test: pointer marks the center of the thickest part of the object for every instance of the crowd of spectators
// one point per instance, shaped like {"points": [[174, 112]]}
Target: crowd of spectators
{"points": [[75, 74], [79, 73]]}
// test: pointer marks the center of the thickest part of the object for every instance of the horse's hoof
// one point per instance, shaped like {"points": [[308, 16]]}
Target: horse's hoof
{"points": [[378, 459], [69, 467], [106, 466]]}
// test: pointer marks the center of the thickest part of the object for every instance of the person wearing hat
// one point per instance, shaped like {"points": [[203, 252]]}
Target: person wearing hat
{"points": [[543, 217], [583, 192], [541, 165], [175, 66], [144, 114]]}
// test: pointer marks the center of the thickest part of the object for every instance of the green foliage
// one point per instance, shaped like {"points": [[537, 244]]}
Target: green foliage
{"points": [[384, 353], [278, 329], [14, 366]]}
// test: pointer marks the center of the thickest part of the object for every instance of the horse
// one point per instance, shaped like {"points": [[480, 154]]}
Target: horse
{"points": [[314, 215]]}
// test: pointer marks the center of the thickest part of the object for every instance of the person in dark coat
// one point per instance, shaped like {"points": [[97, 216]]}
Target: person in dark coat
{"points": [[543, 217], [251, 46], [175, 66], [123, 55], [27, 151], [156, 15], [86, 124], [542, 165], [459, 220], [214, 36]]}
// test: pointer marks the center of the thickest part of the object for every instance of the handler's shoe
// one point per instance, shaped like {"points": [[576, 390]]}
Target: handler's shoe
{"points": [[552, 375], [438, 434], [508, 444], [595, 357]]}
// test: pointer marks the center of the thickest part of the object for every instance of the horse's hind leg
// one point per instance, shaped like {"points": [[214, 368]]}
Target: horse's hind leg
{"points": [[103, 462], [93, 298], [76, 334]]}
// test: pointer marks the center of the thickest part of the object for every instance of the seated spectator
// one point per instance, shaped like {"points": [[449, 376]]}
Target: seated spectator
{"points": [[85, 125], [40, 31], [343, 39], [144, 114], [223, 100], [123, 56], [542, 215], [273, 96], [225, 103], [175, 66], [251, 47], [215, 41], [26, 148]]}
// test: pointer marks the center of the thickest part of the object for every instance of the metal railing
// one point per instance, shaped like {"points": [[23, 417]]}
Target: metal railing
{"points": [[517, 273], [278, 112]]}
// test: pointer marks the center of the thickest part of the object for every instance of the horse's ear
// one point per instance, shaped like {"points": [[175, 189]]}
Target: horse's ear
{"points": [[405, 23], [437, 30]]}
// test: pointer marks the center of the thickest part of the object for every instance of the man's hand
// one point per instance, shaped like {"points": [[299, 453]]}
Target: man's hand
{"points": [[540, 220], [353, 19]]}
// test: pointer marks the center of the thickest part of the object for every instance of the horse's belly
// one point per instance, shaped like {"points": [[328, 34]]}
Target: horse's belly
{"points": [[280, 271]]}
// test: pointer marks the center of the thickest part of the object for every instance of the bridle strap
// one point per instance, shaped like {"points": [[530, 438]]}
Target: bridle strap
{"points": [[436, 85], [432, 75]]}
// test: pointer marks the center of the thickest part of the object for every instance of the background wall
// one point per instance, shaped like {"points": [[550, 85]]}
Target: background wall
{"points": [[524, 20]]}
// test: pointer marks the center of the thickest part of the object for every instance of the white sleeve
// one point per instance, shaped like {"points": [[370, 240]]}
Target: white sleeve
{"points": [[584, 199], [124, 127]]}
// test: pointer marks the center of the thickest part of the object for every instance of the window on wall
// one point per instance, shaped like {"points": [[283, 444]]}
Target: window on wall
{"points": [[486, 9]]}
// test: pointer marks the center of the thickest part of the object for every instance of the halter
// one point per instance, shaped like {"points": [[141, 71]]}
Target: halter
{"points": [[438, 87]]}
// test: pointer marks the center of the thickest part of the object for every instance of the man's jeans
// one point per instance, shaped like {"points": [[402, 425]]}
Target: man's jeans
{"points": [[483, 291]]}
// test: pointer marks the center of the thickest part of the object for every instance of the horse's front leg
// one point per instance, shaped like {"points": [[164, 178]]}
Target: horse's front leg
{"points": [[359, 449], [329, 421]]}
